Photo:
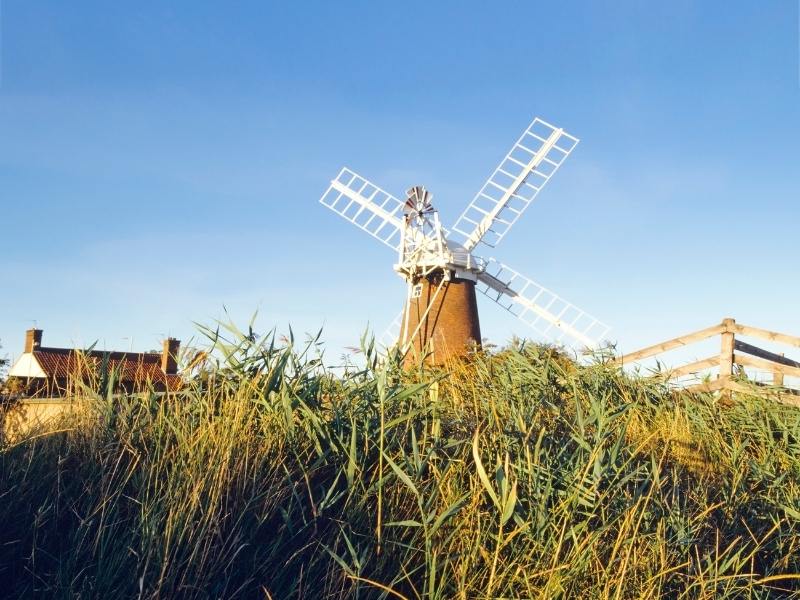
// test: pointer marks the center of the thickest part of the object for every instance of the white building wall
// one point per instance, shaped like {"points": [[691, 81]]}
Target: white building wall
{"points": [[26, 366]]}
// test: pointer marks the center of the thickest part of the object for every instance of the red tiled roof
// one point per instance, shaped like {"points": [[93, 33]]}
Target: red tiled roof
{"points": [[129, 367]]}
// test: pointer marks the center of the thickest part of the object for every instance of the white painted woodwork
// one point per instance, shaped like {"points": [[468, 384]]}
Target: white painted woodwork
{"points": [[27, 366]]}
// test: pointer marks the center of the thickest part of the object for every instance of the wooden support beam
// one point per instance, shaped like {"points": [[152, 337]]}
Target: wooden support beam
{"points": [[777, 378], [783, 398], [768, 335], [726, 355], [765, 354], [766, 365], [684, 340], [749, 390], [711, 386], [698, 365]]}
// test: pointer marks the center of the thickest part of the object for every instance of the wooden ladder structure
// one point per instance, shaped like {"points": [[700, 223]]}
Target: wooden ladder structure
{"points": [[732, 352]]}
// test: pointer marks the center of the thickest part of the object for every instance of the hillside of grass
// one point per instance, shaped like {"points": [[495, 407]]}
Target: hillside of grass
{"points": [[516, 474]]}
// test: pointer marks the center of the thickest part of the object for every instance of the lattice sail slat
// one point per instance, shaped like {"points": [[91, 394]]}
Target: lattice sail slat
{"points": [[366, 206], [525, 170], [391, 337], [538, 307]]}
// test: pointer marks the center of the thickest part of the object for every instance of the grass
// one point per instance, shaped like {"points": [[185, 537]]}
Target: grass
{"points": [[516, 474]]}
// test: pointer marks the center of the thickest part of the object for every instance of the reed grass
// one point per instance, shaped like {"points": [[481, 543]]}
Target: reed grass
{"points": [[514, 474]]}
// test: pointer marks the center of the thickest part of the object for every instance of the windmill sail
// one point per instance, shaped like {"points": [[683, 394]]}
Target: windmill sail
{"points": [[525, 170], [538, 307], [391, 337], [367, 206]]}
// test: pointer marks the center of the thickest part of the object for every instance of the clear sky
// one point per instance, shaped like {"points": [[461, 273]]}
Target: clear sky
{"points": [[159, 161]]}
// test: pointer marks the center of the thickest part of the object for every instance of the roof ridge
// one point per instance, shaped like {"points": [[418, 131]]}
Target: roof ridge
{"points": [[114, 354]]}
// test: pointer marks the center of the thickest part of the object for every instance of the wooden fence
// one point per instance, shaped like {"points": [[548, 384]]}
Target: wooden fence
{"points": [[732, 352]]}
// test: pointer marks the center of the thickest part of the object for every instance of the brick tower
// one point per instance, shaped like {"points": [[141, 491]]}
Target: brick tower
{"points": [[442, 319]]}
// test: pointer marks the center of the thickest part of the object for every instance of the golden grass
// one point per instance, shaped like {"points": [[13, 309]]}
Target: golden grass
{"points": [[515, 474]]}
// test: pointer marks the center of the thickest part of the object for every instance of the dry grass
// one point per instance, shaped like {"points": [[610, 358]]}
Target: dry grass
{"points": [[517, 474]]}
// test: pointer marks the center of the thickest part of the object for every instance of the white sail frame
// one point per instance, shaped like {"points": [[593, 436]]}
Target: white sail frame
{"points": [[367, 206], [538, 307], [532, 161]]}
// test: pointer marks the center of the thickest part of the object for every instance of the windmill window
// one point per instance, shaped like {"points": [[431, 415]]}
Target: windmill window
{"points": [[416, 290]]}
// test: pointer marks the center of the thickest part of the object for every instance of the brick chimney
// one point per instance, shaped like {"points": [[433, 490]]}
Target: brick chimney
{"points": [[33, 340], [169, 356]]}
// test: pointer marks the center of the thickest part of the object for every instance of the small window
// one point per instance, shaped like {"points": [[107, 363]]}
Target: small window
{"points": [[416, 290]]}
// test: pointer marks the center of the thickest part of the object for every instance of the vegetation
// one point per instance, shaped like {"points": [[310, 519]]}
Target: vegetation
{"points": [[3, 366], [517, 474]]}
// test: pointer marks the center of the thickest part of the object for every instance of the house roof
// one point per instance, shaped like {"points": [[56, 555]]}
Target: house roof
{"points": [[130, 367]]}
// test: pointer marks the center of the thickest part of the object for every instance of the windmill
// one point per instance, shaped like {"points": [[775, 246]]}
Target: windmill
{"points": [[441, 267]]}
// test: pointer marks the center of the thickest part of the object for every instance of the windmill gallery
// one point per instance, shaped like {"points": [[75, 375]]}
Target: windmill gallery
{"points": [[440, 267]]}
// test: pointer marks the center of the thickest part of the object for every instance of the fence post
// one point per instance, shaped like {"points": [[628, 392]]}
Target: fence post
{"points": [[726, 357], [777, 378]]}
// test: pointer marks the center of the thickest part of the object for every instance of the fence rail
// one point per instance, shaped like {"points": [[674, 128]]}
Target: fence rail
{"points": [[732, 352]]}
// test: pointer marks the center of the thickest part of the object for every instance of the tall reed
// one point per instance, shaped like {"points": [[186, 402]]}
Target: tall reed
{"points": [[514, 474]]}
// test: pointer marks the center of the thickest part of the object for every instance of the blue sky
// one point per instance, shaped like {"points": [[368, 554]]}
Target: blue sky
{"points": [[160, 162]]}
